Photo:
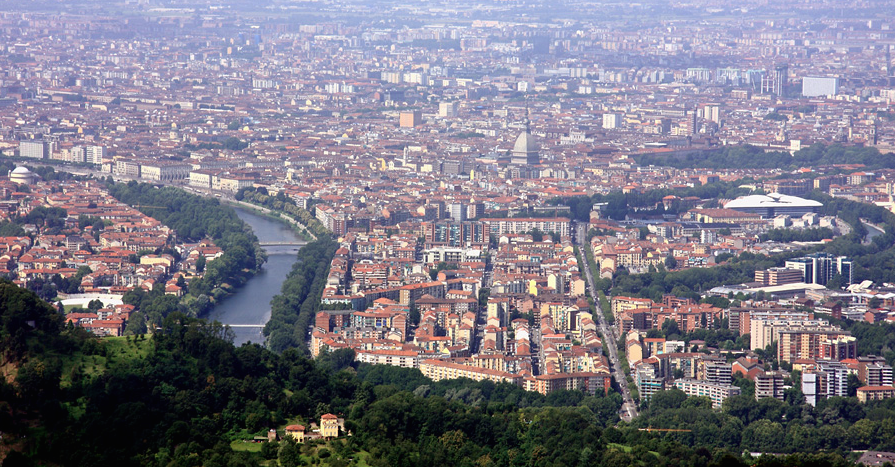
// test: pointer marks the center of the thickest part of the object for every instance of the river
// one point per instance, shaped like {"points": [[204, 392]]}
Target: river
{"points": [[872, 231], [250, 305]]}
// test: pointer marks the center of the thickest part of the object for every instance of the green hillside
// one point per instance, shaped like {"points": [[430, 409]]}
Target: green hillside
{"points": [[185, 396]]}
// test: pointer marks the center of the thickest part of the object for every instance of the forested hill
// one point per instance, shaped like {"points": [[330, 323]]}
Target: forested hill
{"points": [[185, 396]]}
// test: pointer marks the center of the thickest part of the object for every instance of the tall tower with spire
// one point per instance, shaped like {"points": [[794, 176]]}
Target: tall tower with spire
{"points": [[525, 151]]}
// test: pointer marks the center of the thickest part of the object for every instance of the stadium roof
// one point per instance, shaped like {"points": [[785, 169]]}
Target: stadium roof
{"points": [[771, 200]]}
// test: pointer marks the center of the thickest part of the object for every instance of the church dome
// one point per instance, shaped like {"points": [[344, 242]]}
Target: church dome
{"points": [[22, 175]]}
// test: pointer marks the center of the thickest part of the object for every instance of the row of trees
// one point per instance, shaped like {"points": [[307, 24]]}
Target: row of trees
{"points": [[752, 157], [285, 205], [793, 235], [293, 310], [619, 205], [194, 218]]}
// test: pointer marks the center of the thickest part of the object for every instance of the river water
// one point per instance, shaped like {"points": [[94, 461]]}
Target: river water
{"points": [[250, 305], [872, 232]]}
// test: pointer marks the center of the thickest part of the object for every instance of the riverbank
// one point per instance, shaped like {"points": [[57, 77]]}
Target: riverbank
{"points": [[194, 218], [248, 309], [293, 310], [300, 228], [293, 224]]}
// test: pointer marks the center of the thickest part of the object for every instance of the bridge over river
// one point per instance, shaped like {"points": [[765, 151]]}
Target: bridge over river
{"points": [[251, 302]]}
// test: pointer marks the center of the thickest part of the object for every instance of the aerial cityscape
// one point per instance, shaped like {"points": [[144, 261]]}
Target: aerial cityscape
{"points": [[503, 233]]}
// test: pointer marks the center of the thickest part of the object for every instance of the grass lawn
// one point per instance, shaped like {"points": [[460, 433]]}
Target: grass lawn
{"points": [[620, 447], [245, 446], [69, 308], [309, 453], [360, 459]]}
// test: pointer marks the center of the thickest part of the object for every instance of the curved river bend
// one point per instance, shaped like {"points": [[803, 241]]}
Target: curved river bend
{"points": [[250, 305]]}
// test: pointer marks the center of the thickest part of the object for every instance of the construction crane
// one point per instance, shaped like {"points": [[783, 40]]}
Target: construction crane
{"points": [[667, 430], [138, 206]]}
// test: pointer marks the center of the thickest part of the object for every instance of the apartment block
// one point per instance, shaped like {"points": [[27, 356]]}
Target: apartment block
{"points": [[778, 276], [718, 393], [648, 383], [717, 372], [35, 149], [875, 393], [876, 374], [558, 225], [825, 379], [411, 119], [437, 370], [769, 384], [815, 344]]}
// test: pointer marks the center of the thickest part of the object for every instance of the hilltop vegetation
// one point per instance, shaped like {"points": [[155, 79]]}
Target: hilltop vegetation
{"points": [[182, 396]]}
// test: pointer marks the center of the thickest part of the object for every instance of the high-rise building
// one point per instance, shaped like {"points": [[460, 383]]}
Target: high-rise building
{"points": [[411, 119], [878, 374], [794, 344], [718, 372], [712, 112], [452, 167], [94, 154], [819, 87], [77, 154], [691, 127], [774, 81], [826, 379], [781, 79], [769, 384], [611, 121], [35, 149], [457, 212], [819, 268], [755, 78], [475, 210], [728, 76], [648, 383], [447, 109], [699, 75]]}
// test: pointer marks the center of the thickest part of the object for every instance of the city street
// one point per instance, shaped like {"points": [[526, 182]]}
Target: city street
{"points": [[629, 407]]}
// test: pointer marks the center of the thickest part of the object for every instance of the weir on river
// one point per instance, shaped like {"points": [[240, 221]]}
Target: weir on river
{"points": [[248, 310]]}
